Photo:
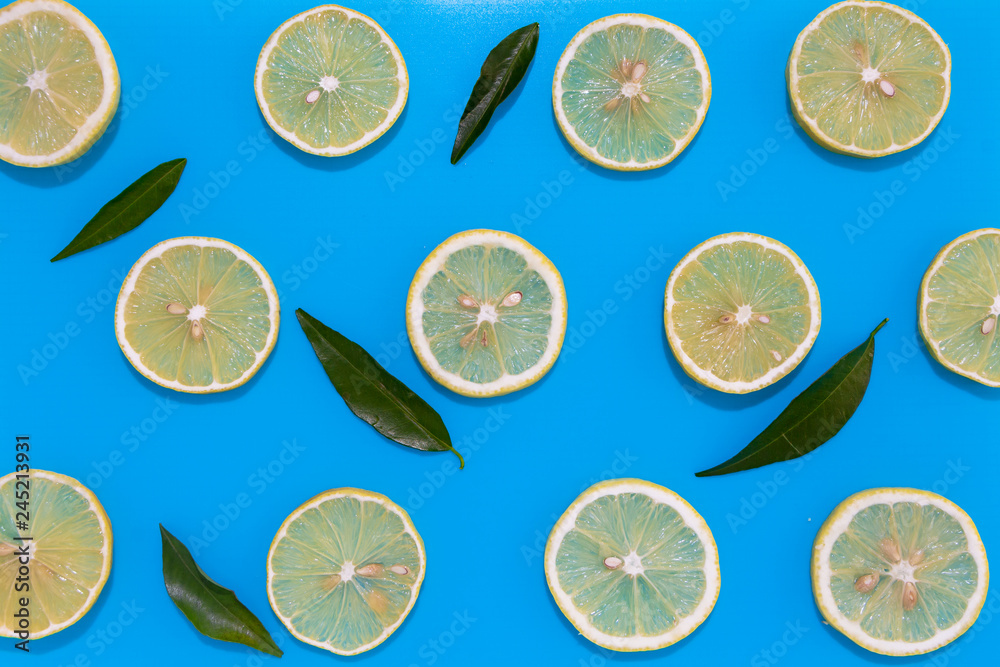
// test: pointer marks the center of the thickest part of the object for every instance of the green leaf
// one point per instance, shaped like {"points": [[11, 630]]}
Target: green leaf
{"points": [[503, 70], [129, 209], [813, 417], [214, 610], [373, 394]]}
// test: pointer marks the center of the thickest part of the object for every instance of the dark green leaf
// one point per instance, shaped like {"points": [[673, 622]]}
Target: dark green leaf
{"points": [[503, 70], [213, 610], [813, 417], [373, 394], [127, 211]]}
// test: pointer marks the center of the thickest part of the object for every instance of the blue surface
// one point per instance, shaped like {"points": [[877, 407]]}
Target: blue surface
{"points": [[342, 238]]}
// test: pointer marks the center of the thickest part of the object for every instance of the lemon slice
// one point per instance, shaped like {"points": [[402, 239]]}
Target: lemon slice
{"points": [[345, 569], [69, 551], [959, 305], [633, 566], [868, 78], [197, 315], [59, 84], [486, 313], [630, 91], [899, 571], [331, 81], [741, 311]]}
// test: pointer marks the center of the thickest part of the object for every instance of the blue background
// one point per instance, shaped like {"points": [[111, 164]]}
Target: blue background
{"points": [[616, 403]]}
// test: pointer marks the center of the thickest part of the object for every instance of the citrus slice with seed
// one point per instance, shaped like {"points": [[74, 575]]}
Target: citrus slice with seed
{"points": [[899, 571], [741, 311], [630, 91], [486, 313], [959, 305], [331, 81], [633, 566], [197, 315], [868, 78], [345, 569], [68, 540], [59, 84]]}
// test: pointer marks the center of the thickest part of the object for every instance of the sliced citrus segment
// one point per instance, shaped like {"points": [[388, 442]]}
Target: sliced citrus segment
{"points": [[197, 315], [741, 311], [868, 78], [899, 571], [331, 81], [59, 84], [959, 305], [632, 565], [486, 313], [345, 569], [630, 91], [69, 551]]}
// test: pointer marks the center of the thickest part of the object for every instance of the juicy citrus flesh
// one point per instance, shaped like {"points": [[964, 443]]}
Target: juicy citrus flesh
{"points": [[70, 551], [904, 570], [197, 315], [331, 80], [959, 305], [869, 78], [488, 311], [58, 83], [742, 311], [345, 570], [631, 91], [633, 566]]}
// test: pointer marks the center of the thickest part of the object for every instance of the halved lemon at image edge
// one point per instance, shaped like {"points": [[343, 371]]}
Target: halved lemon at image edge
{"points": [[741, 311], [345, 569], [69, 551], [868, 79], [633, 566], [899, 571], [330, 81], [630, 91], [197, 315], [486, 313], [959, 305], [59, 84]]}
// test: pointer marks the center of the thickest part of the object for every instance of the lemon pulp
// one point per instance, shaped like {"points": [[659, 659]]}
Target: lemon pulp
{"points": [[345, 569], [58, 83], [959, 305], [197, 315], [331, 81], [869, 78], [741, 312], [70, 551], [631, 91]]}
